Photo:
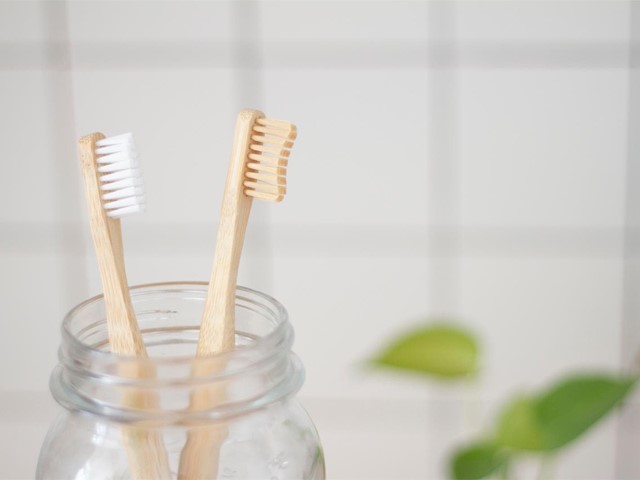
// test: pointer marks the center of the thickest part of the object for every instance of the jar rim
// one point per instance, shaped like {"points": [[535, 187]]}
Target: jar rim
{"points": [[88, 375], [266, 341]]}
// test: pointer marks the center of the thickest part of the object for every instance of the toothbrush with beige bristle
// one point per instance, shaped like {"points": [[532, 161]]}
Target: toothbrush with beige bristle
{"points": [[113, 187], [257, 169]]}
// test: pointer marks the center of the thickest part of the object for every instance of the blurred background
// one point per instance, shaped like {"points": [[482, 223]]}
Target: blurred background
{"points": [[467, 159]]}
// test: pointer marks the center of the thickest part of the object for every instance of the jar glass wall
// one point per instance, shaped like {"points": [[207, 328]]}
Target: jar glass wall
{"points": [[253, 426]]}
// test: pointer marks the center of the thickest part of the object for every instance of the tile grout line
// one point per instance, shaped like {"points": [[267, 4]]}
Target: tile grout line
{"points": [[339, 240], [442, 288], [311, 54], [626, 465], [442, 183], [61, 119]]}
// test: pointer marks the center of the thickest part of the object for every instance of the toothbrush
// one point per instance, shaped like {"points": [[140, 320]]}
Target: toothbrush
{"points": [[257, 169], [113, 187]]}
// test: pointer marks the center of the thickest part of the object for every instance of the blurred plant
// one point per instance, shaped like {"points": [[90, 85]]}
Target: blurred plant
{"points": [[439, 350], [541, 424]]}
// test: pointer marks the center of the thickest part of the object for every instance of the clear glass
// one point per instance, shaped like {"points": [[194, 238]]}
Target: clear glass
{"points": [[263, 431]]}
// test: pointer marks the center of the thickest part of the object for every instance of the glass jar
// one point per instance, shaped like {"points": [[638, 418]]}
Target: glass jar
{"points": [[254, 426]]}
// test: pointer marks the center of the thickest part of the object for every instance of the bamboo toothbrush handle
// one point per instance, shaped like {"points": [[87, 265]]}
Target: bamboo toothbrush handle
{"points": [[257, 169], [217, 328], [145, 450], [124, 336], [200, 456]]}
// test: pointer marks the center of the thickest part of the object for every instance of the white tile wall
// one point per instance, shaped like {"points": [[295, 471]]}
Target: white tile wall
{"points": [[544, 148], [359, 140], [23, 426], [483, 178], [21, 22], [32, 308], [361, 22], [542, 317], [530, 21], [26, 149], [331, 304], [134, 22]]}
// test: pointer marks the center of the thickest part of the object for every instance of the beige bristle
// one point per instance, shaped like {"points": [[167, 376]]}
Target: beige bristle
{"points": [[260, 167], [266, 188], [266, 148], [268, 159], [283, 142], [265, 178]]}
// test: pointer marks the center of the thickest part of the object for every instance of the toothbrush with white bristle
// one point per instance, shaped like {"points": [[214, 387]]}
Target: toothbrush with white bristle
{"points": [[114, 188], [121, 177]]}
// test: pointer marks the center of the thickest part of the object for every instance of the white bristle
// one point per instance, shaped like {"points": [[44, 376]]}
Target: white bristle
{"points": [[120, 176]]}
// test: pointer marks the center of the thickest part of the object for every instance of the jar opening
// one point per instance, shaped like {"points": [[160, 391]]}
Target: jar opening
{"points": [[261, 369]]}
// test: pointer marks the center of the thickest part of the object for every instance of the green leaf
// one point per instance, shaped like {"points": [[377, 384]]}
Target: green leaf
{"points": [[573, 405], [441, 350], [477, 461], [558, 416], [518, 426]]}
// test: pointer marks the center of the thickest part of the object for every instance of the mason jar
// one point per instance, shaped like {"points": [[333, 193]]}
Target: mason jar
{"points": [[251, 428]]}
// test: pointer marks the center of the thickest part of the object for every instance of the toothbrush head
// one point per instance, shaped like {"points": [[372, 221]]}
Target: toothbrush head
{"points": [[271, 142], [120, 176]]}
